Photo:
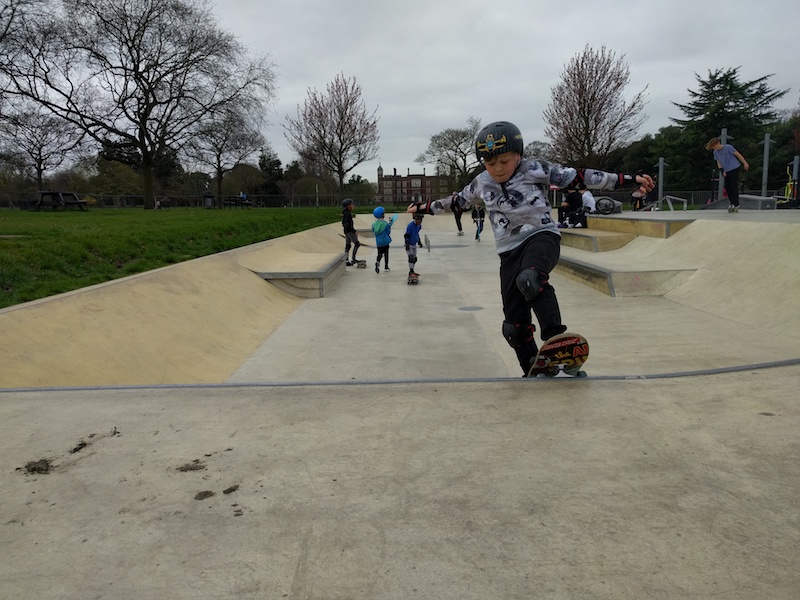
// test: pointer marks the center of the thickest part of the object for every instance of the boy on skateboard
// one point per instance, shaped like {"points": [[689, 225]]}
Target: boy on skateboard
{"points": [[729, 160], [413, 241], [514, 191], [350, 233]]}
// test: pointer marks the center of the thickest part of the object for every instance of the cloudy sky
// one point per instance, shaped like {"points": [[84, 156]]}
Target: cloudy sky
{"points": [[427, 65]]}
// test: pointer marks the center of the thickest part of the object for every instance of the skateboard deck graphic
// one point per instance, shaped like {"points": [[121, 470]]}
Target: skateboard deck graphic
{"points": [[566, 352]]}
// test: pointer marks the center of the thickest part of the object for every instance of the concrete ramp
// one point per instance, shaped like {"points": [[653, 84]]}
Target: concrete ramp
{"points": [[215, 319], [742, 270], [191, 322], [747, 272]]}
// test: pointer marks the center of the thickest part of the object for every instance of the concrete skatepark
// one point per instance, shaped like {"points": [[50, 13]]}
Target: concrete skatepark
{"points": [[214, 430]]}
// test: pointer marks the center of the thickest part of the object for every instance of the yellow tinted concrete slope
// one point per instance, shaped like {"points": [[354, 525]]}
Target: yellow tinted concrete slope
{"points": [[188, 323], [745, 271], [750, 273]]}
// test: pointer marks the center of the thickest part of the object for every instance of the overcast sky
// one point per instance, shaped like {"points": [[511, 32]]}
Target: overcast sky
{"points": [[427, 65]]}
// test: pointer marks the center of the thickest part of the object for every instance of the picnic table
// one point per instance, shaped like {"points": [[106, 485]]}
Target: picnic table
{"points": [[49, 198]]}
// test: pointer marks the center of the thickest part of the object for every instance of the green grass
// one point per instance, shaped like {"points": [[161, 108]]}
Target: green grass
{"points": [[47, 253]]}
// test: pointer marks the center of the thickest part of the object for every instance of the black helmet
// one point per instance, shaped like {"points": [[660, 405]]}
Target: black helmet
{"points": [[497, 138], [347, 202]]}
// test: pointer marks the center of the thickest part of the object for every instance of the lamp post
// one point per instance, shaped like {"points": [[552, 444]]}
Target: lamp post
{"points": [[723, 138], [765, 169], [316, 182]]}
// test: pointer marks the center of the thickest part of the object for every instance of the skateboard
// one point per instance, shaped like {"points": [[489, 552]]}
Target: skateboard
{"points": [[361, 264], [413, 280], [563, 353]]}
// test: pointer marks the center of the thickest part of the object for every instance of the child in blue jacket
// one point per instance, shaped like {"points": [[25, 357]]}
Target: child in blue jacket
{"points": [[382, 230], [413, 240]]}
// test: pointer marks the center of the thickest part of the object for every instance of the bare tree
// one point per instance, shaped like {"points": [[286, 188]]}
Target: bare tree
{"points": [[137, 74], [42, 141], [224, 143], [11, 14], [334, 130], [538, 149], [453, 151], [588, 118]]}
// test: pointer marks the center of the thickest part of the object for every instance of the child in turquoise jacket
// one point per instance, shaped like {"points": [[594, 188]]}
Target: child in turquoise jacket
{"points": [[382, 230]]}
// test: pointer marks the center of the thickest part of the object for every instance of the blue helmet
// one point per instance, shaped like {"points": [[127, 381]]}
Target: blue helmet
{"points": [[378, 212]]}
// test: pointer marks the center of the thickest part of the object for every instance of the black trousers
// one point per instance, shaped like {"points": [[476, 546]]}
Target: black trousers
{"points": [[383, 253], [540, 252], [732, 186], [351, 239]]}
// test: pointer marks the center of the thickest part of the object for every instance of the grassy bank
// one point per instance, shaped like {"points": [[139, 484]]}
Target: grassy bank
{"points": [[46, 253]]}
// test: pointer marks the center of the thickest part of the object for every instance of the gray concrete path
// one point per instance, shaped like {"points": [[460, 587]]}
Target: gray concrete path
{"points": [[379, 443]]}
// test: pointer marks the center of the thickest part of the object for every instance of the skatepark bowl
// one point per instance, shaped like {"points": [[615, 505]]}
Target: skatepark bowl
{"points": [[268, 423]]}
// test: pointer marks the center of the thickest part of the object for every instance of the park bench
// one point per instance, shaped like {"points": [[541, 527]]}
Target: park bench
{"points": [[57, 200], [237, 202]]}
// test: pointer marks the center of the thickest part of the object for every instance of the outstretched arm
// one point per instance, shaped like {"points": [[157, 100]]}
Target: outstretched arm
{"points": [[437, 207], [741, 159], [595, 179]]}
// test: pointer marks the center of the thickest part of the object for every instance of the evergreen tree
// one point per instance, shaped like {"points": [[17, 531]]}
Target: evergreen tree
{"points": [[722, 100]]}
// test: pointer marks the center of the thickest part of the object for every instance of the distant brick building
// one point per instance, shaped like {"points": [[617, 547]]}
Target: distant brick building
{"points": [[403, 189]]}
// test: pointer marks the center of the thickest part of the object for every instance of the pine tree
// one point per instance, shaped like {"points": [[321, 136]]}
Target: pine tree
{"points": [[723, 101]]}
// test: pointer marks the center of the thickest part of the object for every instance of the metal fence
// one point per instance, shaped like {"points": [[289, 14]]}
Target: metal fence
{"points": [[25, 200]]}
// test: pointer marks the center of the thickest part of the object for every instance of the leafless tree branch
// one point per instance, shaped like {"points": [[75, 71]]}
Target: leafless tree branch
{"points": [[588, 117], [334, 130]]}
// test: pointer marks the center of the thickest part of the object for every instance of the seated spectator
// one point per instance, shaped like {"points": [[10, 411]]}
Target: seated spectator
{"points": [[570, 213], [588, 201]]}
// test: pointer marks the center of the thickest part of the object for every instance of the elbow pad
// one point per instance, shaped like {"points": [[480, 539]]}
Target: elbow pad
{"points": [[600, 180], [423, 208]]}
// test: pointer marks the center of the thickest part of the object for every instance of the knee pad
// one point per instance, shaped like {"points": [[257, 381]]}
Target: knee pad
{"points": [[412, 259], [531, 283], [518, 335]]}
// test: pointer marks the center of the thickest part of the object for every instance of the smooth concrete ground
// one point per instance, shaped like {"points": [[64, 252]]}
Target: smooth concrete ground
{"points": [[379, 443]]}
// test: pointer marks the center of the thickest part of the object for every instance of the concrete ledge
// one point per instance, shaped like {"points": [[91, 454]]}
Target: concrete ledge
{"points": [[307, 275], [750, 202], [595, 240], [623, 283], [651, 228]]}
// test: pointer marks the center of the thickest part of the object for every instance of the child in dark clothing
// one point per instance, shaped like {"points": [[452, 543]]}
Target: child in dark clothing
{"points": [[478, 215], [350, 233], [569, 209]]}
